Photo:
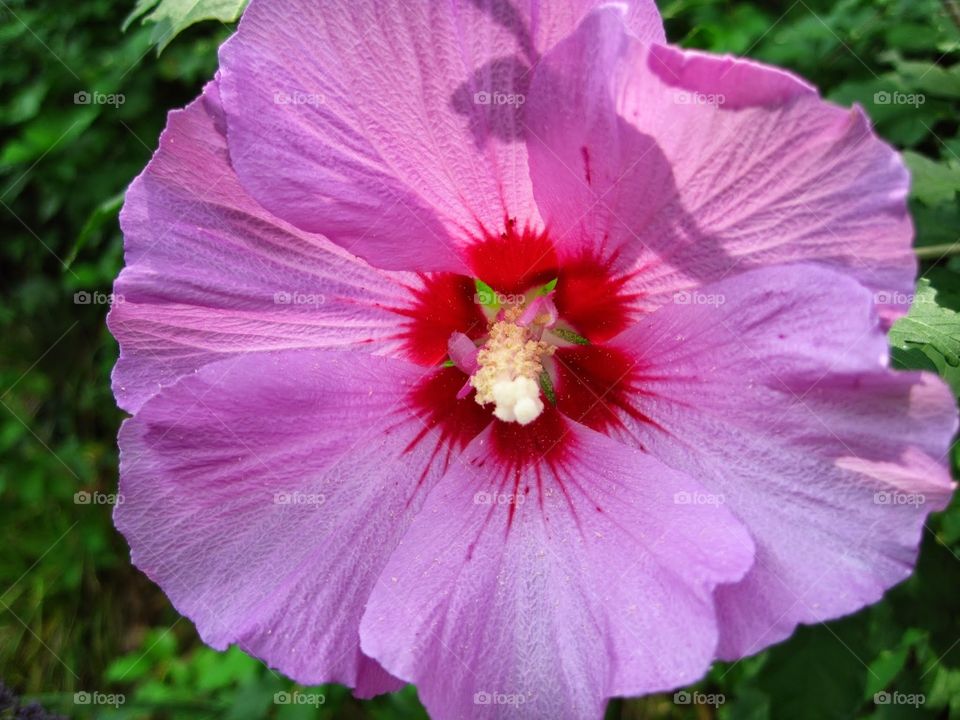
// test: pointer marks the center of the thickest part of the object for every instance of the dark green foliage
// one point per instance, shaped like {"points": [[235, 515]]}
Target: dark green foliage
{"points": [[76, 617]]}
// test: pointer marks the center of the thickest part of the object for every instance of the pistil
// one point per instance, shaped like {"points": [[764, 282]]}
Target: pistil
{"points": [[509, 367]]}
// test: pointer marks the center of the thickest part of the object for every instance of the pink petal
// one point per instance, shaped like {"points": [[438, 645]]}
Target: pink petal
{"points": [[210, 274], [688, 166], [772, 388], [549, 591], [542, 305], [377, 123], [264, 494]]}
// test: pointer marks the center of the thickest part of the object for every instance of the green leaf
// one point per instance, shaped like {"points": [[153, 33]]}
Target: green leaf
{"points": [[912, 359], [885, 668], [486, 295], [934, 329], [158, 645], [171, 17], [944, 688], [933, 182], [102, 214], [937, 226], [928, 601], [818, 673], [930, 77], [218, 670], [253, 699], [127, 668], [548, 288]]}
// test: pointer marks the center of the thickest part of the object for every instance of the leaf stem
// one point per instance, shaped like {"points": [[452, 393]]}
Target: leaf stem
{"points": [[937, 252]]}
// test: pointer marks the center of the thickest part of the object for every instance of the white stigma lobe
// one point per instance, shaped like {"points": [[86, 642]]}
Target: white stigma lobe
{"points": [[509, 367]]}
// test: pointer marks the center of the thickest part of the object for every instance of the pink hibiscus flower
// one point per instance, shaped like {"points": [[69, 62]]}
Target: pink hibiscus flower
{"points": [[673, 439]]}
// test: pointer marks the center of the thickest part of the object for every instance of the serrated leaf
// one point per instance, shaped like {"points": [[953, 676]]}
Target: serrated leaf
{"points": [[171, 17], [934, 329]]}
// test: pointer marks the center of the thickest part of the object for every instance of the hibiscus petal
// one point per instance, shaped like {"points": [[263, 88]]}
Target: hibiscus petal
{"points": [[772, 389], [691, 166], [264, 494], [209, 273], [553, 588], [394, 128]]}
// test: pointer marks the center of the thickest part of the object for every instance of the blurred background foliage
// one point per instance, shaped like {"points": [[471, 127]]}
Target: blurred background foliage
{"points": [[76, 616]]}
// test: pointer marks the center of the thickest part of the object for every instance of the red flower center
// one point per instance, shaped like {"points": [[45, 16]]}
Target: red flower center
{"points": [[591, 382]]}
